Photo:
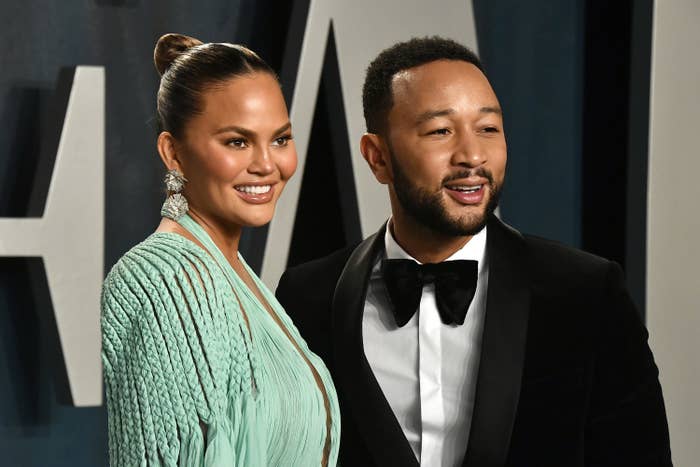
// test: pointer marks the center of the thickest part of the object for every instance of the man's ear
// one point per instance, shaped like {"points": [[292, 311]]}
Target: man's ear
{"points": [[376, 153], [167, 151]]}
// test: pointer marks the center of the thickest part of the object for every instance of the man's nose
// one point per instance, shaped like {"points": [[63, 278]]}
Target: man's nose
{"points": [[468, 151]]}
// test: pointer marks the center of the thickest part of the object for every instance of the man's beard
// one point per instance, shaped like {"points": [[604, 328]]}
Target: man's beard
{"points": [[428, 208]]}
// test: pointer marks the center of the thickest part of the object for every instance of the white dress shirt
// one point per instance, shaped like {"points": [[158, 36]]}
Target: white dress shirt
{"points": [[427, 370]]}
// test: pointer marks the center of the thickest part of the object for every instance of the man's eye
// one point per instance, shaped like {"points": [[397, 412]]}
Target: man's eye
{"points": [[440, 131], [491, 129], [238, 143]]}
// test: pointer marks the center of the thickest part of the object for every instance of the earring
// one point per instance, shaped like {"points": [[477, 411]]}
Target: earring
{"points": [[175, 205]]}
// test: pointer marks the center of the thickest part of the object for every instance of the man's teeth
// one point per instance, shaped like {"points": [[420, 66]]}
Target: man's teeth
{"points": [[467, 189], [254, 189]]}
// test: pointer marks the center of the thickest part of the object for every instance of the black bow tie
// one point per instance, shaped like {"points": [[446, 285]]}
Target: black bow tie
{"points": [[455, 285]]}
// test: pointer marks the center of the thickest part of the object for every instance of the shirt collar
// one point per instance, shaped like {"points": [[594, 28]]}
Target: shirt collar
{"points": [[474, 249]]}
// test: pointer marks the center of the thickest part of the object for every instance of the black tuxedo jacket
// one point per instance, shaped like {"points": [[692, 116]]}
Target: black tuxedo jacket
{"points": [[566, 377]]}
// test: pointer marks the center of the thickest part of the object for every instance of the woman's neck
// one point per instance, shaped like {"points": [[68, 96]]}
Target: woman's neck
{"points": [[226, 236]]}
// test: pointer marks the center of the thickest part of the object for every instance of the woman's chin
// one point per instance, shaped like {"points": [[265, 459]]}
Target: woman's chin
{"points": [[257, 224], [253, 221]]}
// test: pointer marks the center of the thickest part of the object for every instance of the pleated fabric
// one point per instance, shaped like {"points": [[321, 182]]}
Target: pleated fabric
{"points": [[187, 382]]}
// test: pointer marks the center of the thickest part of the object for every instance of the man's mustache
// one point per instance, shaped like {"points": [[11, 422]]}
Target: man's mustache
{"points": [[478, 172]]}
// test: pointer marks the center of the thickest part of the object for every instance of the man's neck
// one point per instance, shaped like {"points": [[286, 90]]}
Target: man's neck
{"points": [[424, 244]]}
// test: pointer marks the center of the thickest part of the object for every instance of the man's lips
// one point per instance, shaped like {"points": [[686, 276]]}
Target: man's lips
{"points": [[468, 191]]}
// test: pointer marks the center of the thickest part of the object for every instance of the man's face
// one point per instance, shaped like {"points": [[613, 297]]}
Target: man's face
{"points": [[447, 147]]}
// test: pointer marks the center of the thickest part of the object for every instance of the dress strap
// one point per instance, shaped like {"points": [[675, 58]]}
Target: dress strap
{"points": [[200, 234], [236, 282], [243, 295]]}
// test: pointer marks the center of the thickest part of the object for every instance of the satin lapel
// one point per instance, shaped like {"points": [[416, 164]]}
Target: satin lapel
{"points": [[502, 349], [358, 386]]}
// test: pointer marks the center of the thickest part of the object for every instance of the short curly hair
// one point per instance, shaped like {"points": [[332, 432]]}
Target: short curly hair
{"points": [[377, 98]]}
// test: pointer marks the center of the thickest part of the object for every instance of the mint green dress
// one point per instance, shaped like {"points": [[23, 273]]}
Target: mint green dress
{"points": [[187, 382]]}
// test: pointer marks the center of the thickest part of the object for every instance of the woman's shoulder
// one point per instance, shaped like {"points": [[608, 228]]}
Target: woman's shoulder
{"points": [[156, 264], [161, 254]]}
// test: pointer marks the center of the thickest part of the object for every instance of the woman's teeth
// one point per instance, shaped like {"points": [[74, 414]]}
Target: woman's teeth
{"points": [[254, 189]]}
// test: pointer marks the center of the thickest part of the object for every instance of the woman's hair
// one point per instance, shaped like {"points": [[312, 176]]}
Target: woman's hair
{"points": [[188, 68]]}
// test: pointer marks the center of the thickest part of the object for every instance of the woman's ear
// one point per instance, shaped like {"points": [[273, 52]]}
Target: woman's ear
{"points": [[376, 153], [168, 152]]}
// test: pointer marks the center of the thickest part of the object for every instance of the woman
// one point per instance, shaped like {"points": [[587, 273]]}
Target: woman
{"points": [[202, 366]]}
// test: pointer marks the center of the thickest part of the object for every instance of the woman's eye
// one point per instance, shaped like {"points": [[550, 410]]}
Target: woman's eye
{"points": [[238, 143], [282, 140]]}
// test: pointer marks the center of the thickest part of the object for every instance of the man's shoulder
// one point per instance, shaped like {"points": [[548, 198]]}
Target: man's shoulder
{"points": [[556, 253], [334, 261], [306, 293], [321, 272], [544, 253], [554, 262]]}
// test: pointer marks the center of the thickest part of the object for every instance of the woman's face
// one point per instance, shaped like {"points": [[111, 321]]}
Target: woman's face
{"points": [[238, 153]]}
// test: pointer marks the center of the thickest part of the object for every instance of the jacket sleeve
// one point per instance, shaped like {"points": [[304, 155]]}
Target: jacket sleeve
{"points": [[627, 420]]}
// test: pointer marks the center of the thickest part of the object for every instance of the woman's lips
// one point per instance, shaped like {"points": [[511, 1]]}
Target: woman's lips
{"points": [[469, 195], [255, 194]]}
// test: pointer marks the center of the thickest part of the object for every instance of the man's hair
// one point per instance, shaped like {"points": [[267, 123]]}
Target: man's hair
{"points": [[377, 98]]}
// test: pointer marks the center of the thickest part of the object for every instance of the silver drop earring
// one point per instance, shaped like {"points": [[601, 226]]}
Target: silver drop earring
{"points": [[175, 206]]}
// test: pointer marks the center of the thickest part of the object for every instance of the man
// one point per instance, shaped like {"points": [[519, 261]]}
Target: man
{"points": [[549, 366]]}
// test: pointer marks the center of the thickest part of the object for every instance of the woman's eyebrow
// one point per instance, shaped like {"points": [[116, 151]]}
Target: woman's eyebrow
{"points": [[250, 133], [243, 131]]}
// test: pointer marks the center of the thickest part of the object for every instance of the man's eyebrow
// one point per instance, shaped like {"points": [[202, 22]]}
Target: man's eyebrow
{"points": [[491, 110], [430, 114]]}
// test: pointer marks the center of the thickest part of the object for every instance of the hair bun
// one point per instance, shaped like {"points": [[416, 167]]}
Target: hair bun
{"points": [[169, 47]]}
